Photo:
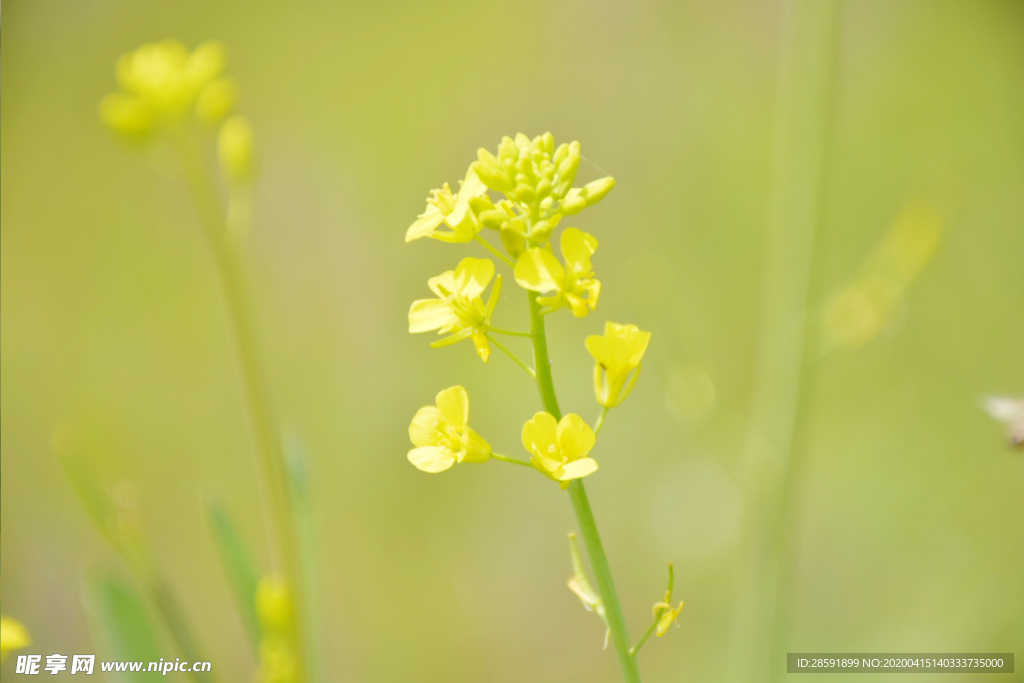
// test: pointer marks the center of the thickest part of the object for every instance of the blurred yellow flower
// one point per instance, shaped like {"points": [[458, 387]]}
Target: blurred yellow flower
{"points": [[860, 311], [442, 435], [274, 604], [459, 310], [450, 209], [275, 608], [161, 83], [573, 285], [617, 353], [559, 449], [13, 636]]}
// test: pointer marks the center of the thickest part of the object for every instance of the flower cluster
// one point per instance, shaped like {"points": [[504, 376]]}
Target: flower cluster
{"points": [[522, 192], [165, 90]]}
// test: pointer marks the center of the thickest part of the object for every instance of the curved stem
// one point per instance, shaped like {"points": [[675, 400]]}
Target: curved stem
{"points": [[494, 250], [581, 506], [517, 359], [514, 461], [511, 333]]}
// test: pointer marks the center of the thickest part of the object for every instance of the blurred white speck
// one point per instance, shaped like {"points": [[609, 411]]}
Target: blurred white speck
{"points": [[696, 511]]}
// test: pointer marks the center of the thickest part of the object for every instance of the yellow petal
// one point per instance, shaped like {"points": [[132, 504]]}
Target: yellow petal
{"points": [[538, 270], [472, 186], [429, 314], [432, 459], [577, 248], [539, 435], [423, 428], [575, 437], [427, 222], [444, 284], [578, 469], [472, 276], [454, 406]]}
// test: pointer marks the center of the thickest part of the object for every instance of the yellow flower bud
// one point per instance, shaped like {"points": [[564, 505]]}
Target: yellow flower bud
{"points": [[513, 240], [275, 604], [595, 191], [573, 204], [234, 149]]}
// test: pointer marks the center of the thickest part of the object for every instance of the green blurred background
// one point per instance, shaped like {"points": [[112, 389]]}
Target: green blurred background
{"points": [[111, 320]]}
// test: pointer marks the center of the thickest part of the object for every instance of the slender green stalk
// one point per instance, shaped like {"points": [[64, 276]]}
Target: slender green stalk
{"points": [[600, 420], [514, 461], [774, 461], [494, 250], [508, 352], [581, 506], [635, 650], [511, 333], [224, 247]]}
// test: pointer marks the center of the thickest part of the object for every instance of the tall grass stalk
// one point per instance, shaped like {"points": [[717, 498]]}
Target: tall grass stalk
{"points": [[224, 239], [774, 461]]}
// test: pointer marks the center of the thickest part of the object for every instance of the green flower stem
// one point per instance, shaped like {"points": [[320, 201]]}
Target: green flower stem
{"points": [[511, 333], [600, 420], [635, 650], [224, 246], [491, 248], [581, 506], [514, 461], [517, 359]]}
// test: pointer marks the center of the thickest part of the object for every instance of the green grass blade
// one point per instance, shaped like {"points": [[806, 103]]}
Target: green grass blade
{"points": [[239, 568], [120, 622]]}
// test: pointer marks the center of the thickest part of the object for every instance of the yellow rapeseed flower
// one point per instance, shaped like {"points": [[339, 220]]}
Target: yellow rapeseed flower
{"points": [[275, 608], [452, 210], [161, 83], [13, 636], [459, 310], [559, 449], [617, 353], [442, 435], [573, 285]]}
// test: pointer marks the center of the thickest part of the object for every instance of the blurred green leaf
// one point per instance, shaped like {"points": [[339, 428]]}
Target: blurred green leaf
{"points": [[239, 567], [120, 621]]}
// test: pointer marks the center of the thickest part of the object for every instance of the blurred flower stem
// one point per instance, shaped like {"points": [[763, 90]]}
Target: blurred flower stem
{"points": [[774, 464], [224, 232], [581, 506]]}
